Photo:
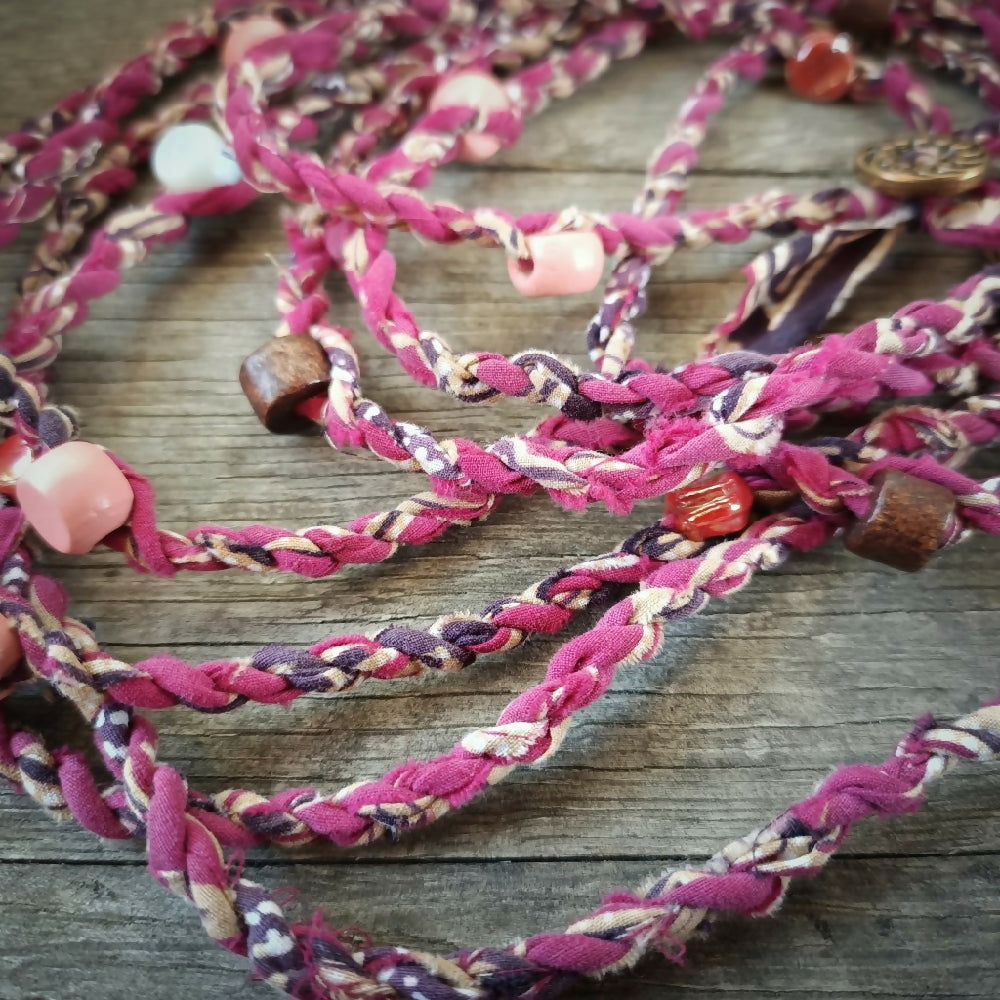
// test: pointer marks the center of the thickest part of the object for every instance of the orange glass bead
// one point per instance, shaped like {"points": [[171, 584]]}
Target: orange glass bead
{"points": [[867, 19], [718, 504], [824, 67], [15, 456], [280, 376]]}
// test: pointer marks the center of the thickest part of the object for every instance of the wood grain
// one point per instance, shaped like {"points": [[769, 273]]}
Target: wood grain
{"points": [[745, 709]]}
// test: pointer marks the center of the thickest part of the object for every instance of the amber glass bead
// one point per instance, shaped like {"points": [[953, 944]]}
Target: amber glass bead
{"points": [[718, 504], [823, 68], [15, 456]]}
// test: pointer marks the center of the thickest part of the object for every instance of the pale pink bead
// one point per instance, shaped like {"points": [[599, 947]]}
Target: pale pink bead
{"points": [[476, 90], [244, 35], [10, 648], [73, 496], [561, 264]]}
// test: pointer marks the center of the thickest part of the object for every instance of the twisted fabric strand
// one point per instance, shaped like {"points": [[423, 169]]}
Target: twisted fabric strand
{"points": [[622, 434]]}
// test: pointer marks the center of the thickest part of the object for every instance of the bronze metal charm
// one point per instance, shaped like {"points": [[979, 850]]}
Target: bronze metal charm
{"points": [[923, 166]]}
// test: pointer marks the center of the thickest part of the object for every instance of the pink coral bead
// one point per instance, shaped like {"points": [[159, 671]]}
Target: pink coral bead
{"points": [[561, 264], [244, 35], [10, 648], [73, 496], [476, 90]]}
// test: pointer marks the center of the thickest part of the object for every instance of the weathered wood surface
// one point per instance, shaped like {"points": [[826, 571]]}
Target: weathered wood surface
{"points": [[745, 709]]}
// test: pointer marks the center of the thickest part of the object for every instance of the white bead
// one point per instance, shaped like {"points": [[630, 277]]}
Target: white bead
{"points": [[227, 168], [193, 157]]}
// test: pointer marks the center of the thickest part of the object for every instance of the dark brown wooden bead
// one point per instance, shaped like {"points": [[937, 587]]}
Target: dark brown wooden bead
{"points": [[865, 19], [279, 376], [906, 523], [773, 500]]}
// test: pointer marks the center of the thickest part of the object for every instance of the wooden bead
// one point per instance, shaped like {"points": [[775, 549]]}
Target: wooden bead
{"points": [[773, 500], [279, 376], [867, 19], [73, 496], [906, 523], [823, 68]]}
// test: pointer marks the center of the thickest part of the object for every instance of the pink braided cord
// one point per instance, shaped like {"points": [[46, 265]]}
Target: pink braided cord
{"points": [[624, 433]]}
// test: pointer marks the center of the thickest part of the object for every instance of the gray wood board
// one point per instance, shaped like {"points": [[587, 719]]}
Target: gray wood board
{"points": [[745, 709]]}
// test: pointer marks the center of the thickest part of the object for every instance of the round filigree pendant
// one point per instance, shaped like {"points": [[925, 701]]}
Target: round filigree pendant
{"points": [[930, 166]]}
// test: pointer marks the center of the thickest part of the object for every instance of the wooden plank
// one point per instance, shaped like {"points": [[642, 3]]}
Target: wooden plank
{"points": [[863, 929], [612, 127], [747, 707], [714, 736]]}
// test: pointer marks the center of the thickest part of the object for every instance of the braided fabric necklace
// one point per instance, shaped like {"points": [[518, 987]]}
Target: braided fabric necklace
{"points": [[347, 112]]}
